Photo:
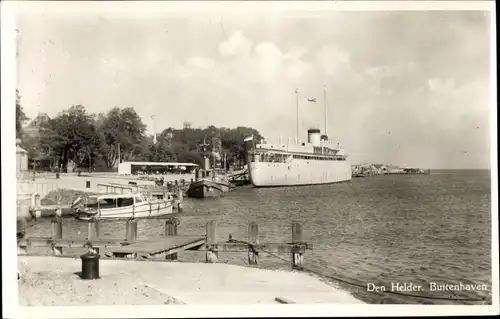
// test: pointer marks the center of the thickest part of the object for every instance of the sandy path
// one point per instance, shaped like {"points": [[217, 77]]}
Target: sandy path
{"points": [[51, 281]]}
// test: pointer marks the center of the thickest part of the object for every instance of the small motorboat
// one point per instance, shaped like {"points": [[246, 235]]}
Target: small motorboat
{"points": [[128, 205], [206, 188]]}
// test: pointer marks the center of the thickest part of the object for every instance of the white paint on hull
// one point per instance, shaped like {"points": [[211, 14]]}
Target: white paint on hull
{"points": [[299, 172], [147, 209]]}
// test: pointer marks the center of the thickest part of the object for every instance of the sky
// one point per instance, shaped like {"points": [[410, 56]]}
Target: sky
{"points": [[402, 87]]}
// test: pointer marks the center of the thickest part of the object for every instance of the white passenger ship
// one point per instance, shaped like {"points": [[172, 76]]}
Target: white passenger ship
{"points": [[294, 164]]}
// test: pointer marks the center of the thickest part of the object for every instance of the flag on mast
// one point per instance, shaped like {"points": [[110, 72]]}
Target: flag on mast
{"points": [[313, 100], [248, 139]]}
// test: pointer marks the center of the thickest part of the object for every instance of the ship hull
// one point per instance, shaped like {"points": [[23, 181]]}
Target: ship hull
{"points": [[299, 173], [205, 188]]}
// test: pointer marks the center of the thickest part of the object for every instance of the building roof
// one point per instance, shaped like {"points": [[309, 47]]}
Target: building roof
{"points": [[39, 119], [159, 164]]}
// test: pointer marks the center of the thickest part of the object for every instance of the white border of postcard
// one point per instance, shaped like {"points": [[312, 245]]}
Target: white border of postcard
{"points": [[9, 261]]}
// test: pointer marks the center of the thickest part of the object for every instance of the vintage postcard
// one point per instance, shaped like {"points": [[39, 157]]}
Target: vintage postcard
{"points": [[214, 159]]}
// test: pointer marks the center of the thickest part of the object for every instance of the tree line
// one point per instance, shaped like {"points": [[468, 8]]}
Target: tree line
{"points": [[99, 141]]}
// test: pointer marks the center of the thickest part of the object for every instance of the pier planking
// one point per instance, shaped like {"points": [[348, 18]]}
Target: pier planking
{"points": [[169, 245]]}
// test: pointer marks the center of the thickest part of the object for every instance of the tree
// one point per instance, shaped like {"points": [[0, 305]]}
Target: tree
{"points": [[233, 142], [122, 130], [69, 134], [187, 143], [162, 151], [20, 116]]}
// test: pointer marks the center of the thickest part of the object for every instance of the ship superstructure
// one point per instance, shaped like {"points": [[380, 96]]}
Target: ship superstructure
{"points": [[293, 164]]}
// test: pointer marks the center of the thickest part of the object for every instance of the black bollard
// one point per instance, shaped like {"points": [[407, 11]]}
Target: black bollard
{"points": [[57, 175], [90, 265], [196, 175]]}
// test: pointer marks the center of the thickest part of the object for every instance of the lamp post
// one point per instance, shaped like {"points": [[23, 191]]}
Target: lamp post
{"points": [[153, 117]]}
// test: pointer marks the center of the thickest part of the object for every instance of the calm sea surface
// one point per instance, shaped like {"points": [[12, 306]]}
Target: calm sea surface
{"points": [[384, 229]]}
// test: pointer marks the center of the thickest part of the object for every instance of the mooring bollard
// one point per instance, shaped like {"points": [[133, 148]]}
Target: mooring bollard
{"points": [[253, 238], [171, 230], [93, 229], [56, 234], [131, 230], [297, 256], [212, 254], [90, 265]]}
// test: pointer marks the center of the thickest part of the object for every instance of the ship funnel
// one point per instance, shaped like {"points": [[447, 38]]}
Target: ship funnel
{"points": [[314, 137]]}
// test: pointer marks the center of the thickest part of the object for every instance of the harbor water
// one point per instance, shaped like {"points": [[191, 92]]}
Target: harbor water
{"points": [[418, 229]]}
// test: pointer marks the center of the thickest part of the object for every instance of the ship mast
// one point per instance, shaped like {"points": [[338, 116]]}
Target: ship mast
{"points": [[297, 105], [324, 99]]}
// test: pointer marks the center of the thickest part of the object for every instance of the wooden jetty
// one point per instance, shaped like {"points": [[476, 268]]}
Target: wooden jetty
{"points": [[166, 246]]}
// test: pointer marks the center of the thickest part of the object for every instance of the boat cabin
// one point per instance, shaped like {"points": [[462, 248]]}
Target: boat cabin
{"points": [[114, 200]]}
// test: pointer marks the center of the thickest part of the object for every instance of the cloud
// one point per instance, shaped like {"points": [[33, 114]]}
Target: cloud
{"points": [[332, 58], [236, 45], [296, 69], [201, 63], [423, 76], [438, 84]]}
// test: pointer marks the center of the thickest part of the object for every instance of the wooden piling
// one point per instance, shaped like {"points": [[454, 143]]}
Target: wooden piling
{"points": [[57, 234], [297, 257], [93, 229], [171, 230], [179, 200], [211, 255], [131, 230], [253, 238]]}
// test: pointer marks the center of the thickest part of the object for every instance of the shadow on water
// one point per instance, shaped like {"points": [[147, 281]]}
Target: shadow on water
{"points": [[381, 229]]}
